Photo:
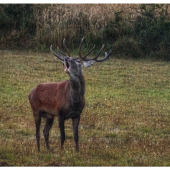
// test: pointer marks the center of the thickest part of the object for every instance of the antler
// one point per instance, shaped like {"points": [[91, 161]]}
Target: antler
{"points": [[61, 52], [98, 53], [66, 47], [100, 60], [106, 57], [62, 59], [89, 52], [80, 56]]}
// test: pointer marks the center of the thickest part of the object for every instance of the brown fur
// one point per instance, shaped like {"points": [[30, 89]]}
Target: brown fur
{"points": [[54, 98], [50, 97], [64, 99]]}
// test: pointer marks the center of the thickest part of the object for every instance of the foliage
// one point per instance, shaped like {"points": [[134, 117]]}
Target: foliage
{"points": [[143, 33], [16, 24], [127, 47], [152, 31]]}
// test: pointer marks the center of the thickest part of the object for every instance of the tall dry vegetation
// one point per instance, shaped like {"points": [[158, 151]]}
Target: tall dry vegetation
{"points": [[72, 21], [128, 29]]}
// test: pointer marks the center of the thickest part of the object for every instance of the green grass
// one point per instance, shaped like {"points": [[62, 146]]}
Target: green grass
{"points": [[125, 122]]}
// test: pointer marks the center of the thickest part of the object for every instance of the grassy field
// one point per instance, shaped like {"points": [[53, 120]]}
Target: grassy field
{"points": [[126, 121]]}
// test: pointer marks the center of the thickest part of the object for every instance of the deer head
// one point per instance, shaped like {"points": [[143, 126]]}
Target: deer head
{"points": [[73, 66]]}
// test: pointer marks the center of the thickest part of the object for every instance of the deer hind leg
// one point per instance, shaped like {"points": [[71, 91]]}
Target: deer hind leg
{"points": [[62, 132], [75, 131], [48, 125], [37, 119]]}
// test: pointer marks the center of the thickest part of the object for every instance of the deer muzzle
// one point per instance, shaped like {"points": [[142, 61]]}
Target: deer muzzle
{"points": [[67, 64]]}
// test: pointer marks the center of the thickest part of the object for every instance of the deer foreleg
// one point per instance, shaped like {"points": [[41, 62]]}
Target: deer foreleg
{"points": [[37, 123], [48, 125], [62, 132], [75, 131]]}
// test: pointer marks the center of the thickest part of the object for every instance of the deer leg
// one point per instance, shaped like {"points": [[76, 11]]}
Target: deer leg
{"points": [[37, 119], [75, 131], [48, 125], [62, 132]]}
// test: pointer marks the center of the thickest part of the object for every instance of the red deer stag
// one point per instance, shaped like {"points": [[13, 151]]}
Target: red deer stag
{"points": [[63, 99]]}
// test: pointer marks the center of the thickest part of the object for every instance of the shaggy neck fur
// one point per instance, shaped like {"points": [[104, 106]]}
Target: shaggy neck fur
{"points": [[77, 89]]}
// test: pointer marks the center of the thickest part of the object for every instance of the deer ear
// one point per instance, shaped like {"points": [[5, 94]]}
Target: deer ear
{"points": [[88, 63]]}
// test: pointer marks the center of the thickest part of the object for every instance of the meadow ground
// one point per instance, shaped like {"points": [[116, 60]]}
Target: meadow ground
{"points": [[126, 121]]}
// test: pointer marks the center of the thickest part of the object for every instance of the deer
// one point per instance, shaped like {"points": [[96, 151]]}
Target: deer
{"points": [[64, 99]]}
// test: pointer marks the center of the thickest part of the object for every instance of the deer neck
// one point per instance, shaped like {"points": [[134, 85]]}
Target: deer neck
{"points": [[77, 88]]}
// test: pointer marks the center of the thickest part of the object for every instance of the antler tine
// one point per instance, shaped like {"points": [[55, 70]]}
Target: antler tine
{"points": [[89, 52], [61, 52], [98, 53], [66, 47], [106, 57], [80, 56], [56, 54]]}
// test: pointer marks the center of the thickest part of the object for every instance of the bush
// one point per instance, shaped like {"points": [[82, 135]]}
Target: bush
{"points": [[127, 46], [40, 25], [16, 24], [152, 32]]}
